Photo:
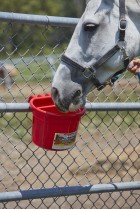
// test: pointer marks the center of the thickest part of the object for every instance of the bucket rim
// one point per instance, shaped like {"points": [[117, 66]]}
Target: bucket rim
{"points": [[80, 112], [48, 112]]}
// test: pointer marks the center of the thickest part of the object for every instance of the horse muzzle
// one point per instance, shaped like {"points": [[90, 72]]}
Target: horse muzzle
{"points": [[70, 103]]}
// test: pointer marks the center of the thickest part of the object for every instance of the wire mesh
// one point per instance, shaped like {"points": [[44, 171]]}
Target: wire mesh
{"points": [[107, 147]]}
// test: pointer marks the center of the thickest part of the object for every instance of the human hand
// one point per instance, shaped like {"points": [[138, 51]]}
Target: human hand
{"points": [[134, 67]]}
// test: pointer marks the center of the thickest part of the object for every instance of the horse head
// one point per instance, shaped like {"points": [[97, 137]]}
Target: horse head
{"points": [[105, 37]]}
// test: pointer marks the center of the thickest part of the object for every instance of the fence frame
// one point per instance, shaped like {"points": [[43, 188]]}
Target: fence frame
{"points": [[25, 107], [68, 191], [38, 19], [71, 190], [120, 106]]}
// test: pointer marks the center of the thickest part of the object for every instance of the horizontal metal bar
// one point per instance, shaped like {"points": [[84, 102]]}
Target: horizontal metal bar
{"points": [[25, 107], [120, 106], [68, 191], [38, 19], [15, 107]]}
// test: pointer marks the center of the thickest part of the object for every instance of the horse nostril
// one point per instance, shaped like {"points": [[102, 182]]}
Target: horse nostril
{"points": [[77, 94], [54, 92]]}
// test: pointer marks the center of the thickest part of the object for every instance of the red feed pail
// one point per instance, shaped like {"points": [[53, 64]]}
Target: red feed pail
{"points": [[52, 129]]}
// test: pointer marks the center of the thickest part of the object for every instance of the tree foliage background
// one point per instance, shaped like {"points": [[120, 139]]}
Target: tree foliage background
{"points": [[73, 8], [15, 36]]}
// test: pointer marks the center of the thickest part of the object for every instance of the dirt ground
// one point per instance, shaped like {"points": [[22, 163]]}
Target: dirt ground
{"points": [[96, 160], [103, 154]]}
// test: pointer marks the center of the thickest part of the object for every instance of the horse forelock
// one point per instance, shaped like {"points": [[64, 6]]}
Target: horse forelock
{"points": [[99, 5], [114, 1]]}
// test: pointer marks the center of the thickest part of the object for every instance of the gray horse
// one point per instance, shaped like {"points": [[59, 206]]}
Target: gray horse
{"points": [[107, 34]]}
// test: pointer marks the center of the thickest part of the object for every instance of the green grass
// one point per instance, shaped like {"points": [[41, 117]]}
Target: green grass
{"points": [[111, 120], [18, 124]]}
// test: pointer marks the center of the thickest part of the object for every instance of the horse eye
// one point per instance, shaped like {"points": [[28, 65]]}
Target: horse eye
{"points": [[90, 27]]}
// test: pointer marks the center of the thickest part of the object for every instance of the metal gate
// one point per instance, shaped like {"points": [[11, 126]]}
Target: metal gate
{"points": [[106, 155]]}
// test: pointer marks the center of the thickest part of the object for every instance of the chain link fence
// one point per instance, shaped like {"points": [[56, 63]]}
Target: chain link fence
{"points": [[107, 145]]}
